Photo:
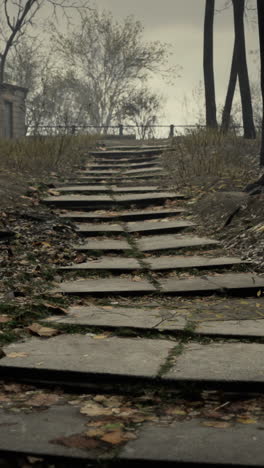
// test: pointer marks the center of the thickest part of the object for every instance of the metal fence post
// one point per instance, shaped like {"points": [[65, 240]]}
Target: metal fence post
{"points": [[121, 128], [171, 134]]}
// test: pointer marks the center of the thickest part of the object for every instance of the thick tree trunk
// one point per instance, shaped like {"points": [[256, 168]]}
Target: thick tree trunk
{"points": [[247, 111], [208, 65], [260, 5], [230, 93]]}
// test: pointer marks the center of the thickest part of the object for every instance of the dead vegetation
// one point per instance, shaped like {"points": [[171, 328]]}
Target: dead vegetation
{"points": [[35, 160], [208, 160]]}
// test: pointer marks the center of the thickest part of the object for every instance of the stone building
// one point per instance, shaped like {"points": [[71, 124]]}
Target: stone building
{"points": [[12, 111]]}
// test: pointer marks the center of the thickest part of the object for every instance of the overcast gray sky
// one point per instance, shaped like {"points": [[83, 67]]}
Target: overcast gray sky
{"points": [[180, 22]]}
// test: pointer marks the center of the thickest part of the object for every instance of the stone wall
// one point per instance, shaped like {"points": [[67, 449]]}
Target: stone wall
{"points": [[16, 96]]}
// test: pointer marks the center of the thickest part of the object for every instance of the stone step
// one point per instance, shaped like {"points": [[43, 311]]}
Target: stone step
{"points": [[126, 153], [118, 178], [106, 201], [242, 283], [158, 243], [143, 227], [157, 318], [122, 166], [127, 161], [63, 429], [114, 264], [165, 263], [120, 173], [104, 245], [104, 189], [195, 443], [84, 359], [123, 215], [173, 241]]}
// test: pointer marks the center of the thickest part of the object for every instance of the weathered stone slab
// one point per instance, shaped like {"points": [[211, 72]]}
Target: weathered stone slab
{"points": [[168, 226], [123, 215], [245, 328], [144, 170], [171, 241], [238, 281], [79, 200], [123, 165], [104, 245], [103, 189], [106, 263], [121, 153], [94, 228], [190, 286], [131, 317], [219, 362], [31, 432], [191, 442], [179, 262], [107, 286], [147, 198], [88, 356]]}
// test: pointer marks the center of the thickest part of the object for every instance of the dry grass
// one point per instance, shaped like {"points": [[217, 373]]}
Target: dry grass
{"points": [[203, 156], [32, 160], [39, 156]]}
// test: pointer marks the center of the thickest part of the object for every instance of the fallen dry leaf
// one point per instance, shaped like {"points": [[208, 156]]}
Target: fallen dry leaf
{"points": [[39, 330], [94, 409], [114, 438], [102, 336], [246, 421], [17, 355], [5, 318], [43, 399], [217, 424], [76, 441]]}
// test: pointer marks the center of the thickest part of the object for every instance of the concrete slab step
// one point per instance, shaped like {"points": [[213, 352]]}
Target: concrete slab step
{"points": [[104, 245], [143, 227], [93, 229], [131, 152], [244, 283], [147, 318], [108, 286], [123, 166], [106, 201], [106, 264], [165, 263], [123, 215], [236, 445], [175, 262], [173, 241], [193, 443], [104, 189], [85, 357]]}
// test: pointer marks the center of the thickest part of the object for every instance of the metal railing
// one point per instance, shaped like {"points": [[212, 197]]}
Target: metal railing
{"points": [[103, 130]]}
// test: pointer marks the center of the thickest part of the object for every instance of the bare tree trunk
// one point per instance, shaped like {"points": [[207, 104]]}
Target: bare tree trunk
{"points": [[208, 65], [260, 6], [230, 93], [240, 45]]}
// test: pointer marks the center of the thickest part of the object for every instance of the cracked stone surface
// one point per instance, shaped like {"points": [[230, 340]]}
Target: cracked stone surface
{"points": [[175, 262], [232, 362], [191, 442], [133, 357], [131, 317]]}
